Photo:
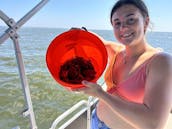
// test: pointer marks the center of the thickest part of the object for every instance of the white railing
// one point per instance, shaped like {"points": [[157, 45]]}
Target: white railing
{"points": [[81, 103]]}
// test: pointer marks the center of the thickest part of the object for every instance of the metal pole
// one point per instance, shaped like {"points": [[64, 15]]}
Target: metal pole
{"points": [[22, 20], [11, 32], [29, 111]]}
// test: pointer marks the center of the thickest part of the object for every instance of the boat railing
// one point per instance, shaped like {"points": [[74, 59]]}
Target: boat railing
{"points": [[87, 108], [11, 32]]}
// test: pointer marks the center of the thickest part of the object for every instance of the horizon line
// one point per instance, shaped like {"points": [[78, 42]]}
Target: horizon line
{"points": [[65, 28]]}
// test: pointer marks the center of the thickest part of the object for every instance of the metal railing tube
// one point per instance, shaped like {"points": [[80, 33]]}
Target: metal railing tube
{"points": [[23, 20]]}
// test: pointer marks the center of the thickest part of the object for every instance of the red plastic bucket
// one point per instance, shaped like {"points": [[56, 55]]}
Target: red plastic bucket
{"points": [[72, 44]]}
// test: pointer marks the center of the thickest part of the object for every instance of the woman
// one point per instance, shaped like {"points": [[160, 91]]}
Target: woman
{"points": [[139, 86]]}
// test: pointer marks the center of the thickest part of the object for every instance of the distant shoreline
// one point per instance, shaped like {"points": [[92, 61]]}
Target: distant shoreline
{"points": [[65, 29]]}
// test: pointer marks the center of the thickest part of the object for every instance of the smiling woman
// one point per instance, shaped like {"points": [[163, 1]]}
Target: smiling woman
{"points": [[140, 75]]}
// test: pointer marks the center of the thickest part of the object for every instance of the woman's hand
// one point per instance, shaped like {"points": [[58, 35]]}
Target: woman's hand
{"points": [[90, 88]]}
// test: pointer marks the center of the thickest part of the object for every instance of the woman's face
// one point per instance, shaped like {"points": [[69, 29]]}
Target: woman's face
{"points": [[129, 24]]}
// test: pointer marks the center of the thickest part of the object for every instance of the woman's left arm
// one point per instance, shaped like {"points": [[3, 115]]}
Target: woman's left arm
{"points": [[154, 111], [158, 90]]}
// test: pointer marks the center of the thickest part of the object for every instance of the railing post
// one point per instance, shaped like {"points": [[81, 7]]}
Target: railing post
{"points": [[11, 32]]}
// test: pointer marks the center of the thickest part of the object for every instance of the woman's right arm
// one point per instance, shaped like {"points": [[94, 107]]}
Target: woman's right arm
{"points": [[113, 48]]}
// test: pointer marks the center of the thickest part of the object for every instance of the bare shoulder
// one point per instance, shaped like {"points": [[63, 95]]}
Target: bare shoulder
{"points": [[162, 62], [160, 71]]}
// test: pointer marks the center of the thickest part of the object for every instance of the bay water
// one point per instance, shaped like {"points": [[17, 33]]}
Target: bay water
{"points": [[49, 99]]}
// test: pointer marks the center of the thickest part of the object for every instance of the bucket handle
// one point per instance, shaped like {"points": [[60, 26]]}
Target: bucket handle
{"points": [[82, 28]]}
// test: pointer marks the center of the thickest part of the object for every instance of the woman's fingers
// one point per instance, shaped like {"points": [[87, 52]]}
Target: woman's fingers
{"points": [[90, 88], [88, 84], [79, 89]]}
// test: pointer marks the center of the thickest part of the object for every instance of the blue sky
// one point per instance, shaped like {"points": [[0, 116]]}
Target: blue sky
{"points": [[93, 14]]}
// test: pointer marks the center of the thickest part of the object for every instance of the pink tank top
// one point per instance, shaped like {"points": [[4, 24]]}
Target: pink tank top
{"points": [[132, 89]]}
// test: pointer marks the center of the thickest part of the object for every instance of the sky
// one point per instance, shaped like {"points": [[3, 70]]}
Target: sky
{"points": [[92, 14]]}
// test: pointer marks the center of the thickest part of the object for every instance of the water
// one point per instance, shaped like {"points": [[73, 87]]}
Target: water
{"points": [[49, 99]]}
